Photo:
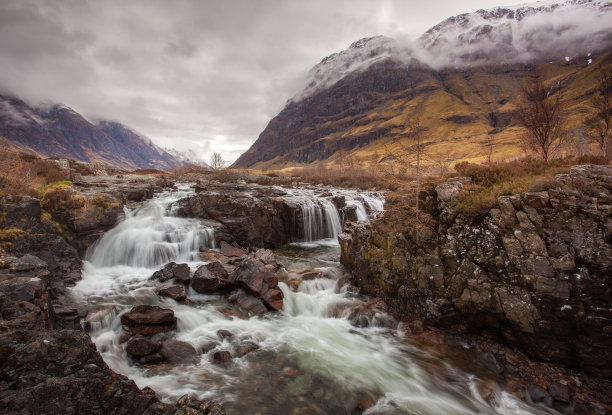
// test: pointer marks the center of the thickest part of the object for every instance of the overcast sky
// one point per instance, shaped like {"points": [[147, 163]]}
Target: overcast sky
{"points": [[190, 74]]}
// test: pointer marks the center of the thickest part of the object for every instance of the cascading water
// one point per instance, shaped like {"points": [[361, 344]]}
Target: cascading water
{"points": [[310, 357], [321, 219]]}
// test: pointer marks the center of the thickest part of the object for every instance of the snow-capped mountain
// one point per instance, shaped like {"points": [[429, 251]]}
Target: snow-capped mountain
{"points": [[59, 131], [522, 33], [465, 71]]}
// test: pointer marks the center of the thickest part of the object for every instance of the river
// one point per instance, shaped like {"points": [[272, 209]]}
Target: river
{"points": [[311, 357]]}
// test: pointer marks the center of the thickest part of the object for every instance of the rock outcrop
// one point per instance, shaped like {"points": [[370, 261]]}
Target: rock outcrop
{"points": [[47, 363], [535, 271], [92, 205]]}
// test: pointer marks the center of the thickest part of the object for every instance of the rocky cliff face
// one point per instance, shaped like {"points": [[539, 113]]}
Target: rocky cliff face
{"points": [[534, 272]]}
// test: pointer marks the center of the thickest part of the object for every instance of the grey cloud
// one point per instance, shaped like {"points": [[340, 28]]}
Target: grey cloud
{"points": [[190, 74]]}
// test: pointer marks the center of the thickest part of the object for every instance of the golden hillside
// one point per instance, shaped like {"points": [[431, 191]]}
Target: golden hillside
{"points": [[362, 119]]}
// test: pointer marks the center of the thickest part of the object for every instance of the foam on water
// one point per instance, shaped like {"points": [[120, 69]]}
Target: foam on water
{"points": [[311, 336]]}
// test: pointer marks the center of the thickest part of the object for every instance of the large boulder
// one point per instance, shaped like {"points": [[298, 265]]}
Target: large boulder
{"points": [[148, 320], [139, 346], [254, 277], [179, 352], [176, 292], [180, 273], [206, 282], [249, 303]]}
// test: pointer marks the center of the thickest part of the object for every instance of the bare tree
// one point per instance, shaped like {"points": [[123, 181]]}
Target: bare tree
{"points": [[599, 128], [410, 154], [488, 146], [542, 114], [216, 161]]}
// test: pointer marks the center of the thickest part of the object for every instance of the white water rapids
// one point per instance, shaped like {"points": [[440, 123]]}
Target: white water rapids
{"points": [[310, 360]]}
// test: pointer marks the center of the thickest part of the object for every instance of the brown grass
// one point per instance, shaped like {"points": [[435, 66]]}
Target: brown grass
{"points": [[23, 174]]}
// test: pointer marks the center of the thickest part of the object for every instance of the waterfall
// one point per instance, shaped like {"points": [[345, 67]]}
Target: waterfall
{"points": [[321, 219], [149, 237]]}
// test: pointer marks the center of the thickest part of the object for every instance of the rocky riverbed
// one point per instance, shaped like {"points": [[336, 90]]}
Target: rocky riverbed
{"points": [[183, 297]]}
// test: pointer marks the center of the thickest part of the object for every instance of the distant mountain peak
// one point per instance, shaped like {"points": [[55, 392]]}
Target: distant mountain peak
{"points": [[59, 131], [527, 32]]}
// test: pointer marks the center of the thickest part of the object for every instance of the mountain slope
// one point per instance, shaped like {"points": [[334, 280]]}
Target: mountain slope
{"points": [[59, 131], [462, 76]]}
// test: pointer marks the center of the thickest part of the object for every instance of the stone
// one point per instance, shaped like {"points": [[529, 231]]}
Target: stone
{"points": [[22, 289], [245, 348], [253, 276], [217, 270], [249, 303], [140, 346], [176, 292], [531, 271], [179, 352], [538, 395], [148, 320], [150, 359], [224, 334], [213, 256], [559, 392], [222, 356], [180, 272], [205, 282], [27, 263], [229, 250], [488, 361]]}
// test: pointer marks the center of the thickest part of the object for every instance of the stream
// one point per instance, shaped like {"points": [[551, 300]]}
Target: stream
{"points": [[310, 358]]}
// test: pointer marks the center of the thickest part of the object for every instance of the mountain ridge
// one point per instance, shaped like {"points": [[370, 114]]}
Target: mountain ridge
{"points": [[59, 131], [358, 99]]}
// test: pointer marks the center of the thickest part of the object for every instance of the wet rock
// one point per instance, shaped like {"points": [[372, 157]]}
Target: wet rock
{"points": [[222, 356], [176, 292], [488, 361], [205, 282], [217, 270], [213, 256], [22, 289], [180, 272], [224, 334], [559, 392], [229, 250], [208, 346], [52, 370], [249, 303], [191, 406], [245, 348], [140, 346], [148, 320], [27, 263], [98, 316], [366, 317], [253, 276], [151, 359], [538, 395], [179, 352]]}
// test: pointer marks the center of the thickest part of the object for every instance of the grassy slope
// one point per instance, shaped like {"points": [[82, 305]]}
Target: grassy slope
{"points": [[462, 110]]}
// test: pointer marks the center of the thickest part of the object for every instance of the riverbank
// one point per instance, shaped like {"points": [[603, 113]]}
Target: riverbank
{"points": [[323, 341]]}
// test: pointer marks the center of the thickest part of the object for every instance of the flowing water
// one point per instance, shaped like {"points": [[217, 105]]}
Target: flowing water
{"points": [[311, 359]]}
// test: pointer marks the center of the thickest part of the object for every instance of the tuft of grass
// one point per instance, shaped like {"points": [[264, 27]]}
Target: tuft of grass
{"points": [[46, 188]]}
